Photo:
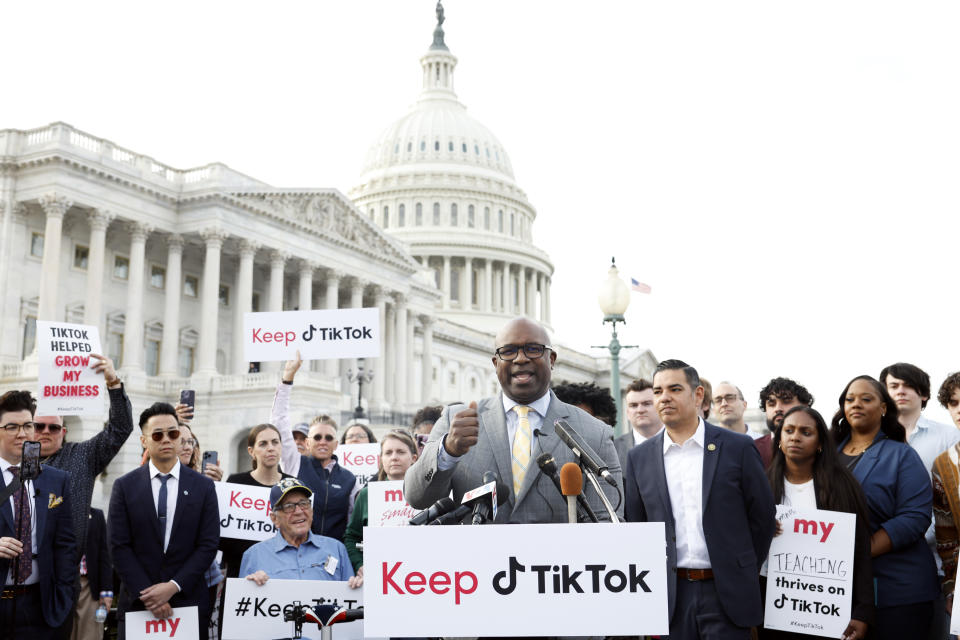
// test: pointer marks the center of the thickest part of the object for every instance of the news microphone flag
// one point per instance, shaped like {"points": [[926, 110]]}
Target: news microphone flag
{"points": [[639, 287]]}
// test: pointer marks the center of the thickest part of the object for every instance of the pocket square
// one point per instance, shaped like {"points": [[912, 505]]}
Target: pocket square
{"points": [[54, 501]]}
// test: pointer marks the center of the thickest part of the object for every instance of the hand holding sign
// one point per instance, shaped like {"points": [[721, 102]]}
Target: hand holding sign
{"points": [[104, 365], [464, 430]]}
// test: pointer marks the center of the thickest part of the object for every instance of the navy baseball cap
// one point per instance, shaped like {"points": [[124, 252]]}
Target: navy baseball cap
{"points": [[284, 487]]}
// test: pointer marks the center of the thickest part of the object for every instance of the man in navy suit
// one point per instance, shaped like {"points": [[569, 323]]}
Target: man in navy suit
{"points": [[164, 526], [708, 486], [39, 588]]}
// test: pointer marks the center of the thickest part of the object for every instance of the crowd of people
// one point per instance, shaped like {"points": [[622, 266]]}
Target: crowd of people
{"points": [[714, 485]]}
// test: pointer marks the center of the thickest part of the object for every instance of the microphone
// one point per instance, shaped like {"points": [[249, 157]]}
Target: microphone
{"points": [[571, 484], [484, 507], [587, 455], [440, 507], [548, 466], [326, 615], [482, 494]]}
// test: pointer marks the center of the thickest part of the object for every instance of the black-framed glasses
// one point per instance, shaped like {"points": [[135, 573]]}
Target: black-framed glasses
{"points": [[50, 427], [13, 427], [531, 350], [290, 507], [173, 434], [324, 436]]}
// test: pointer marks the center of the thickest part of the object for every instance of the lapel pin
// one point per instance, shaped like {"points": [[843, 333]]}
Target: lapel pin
{"points": [[185, 492], [711, 447]]}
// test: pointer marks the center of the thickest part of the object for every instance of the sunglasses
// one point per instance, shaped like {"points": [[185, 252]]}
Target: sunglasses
{"points": [[173, 434], [324, 436], [50, 427]]}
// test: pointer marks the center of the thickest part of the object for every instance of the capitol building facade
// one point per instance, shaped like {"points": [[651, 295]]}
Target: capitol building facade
{"points": [[437, 235]]}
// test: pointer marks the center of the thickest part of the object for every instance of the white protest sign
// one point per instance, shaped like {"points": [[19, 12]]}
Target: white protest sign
{"points": [[141, 625], [516, 580], [386, 506], [810, 573], [362, 460], [67, 384], [318, 334], [251, 612], [244, 511]]}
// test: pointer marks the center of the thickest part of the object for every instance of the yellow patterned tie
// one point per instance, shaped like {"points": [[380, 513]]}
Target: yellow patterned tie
{"points": [[521, 448]]}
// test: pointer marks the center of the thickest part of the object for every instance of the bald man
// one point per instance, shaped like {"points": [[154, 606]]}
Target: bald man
{"points": [[506, 434]]}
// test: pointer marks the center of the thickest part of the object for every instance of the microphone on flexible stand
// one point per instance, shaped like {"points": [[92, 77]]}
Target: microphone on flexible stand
{"points": [[440, 507], [571, 484], [548, 466]]}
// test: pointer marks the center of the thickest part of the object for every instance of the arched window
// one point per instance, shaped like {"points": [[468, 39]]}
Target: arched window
{"points": [[423, 145], [471, 217], [386, 217], [401, 215], [455, 284], [436, 213], [500, 221], [454, 220], [409, 147], [464, 147], [396, 147], [486, 218], [450, 146], [436, 145], [419, 215], [512, 232], [476, 149]]}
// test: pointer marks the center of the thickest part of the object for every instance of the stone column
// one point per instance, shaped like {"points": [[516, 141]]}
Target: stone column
{"points": [[356, 302], [330, 367], [92, 306], [532, 295], [17, 243], [466, 291], [546, 290], [408, 384], [505, 289], [379, 368], [487, 298], [445, 282], [390, 344], [305, 292], [521, 290], [400, 352], [54, 207], [243, 302], [170, 343], [210, 301], [277, 260], [426, 359], [133, 317], [542, 286]]}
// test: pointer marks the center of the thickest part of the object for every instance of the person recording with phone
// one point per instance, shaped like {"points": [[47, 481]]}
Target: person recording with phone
{"points": [[207, 463], [37, 540], [506, 433]]}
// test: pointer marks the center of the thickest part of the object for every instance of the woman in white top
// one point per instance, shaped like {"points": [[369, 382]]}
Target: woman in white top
{"points": [[806, 473]]}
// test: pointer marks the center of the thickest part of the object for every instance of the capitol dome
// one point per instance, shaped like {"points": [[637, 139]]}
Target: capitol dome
{"points": [[442, 183]]}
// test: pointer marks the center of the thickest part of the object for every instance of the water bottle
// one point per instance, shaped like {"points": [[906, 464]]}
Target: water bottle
{"points": [[100, 615]]}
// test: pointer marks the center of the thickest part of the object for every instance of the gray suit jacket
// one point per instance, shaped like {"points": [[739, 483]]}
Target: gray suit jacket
{"points": [[538, 500], [623, 444]]}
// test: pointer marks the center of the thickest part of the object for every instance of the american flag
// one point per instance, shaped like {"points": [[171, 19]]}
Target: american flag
{"points": [[636, 285]]}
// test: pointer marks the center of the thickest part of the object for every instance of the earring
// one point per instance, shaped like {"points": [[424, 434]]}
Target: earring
{"points": [[819, 449]]}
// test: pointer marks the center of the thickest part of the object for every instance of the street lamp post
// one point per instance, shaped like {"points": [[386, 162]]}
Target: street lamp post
{"points": [[359, 377], [614, 299]]}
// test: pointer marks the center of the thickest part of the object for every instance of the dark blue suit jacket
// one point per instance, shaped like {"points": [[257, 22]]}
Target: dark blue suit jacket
{"points": [[899, 500], [137, 541], [738, 515], [56, 543]]}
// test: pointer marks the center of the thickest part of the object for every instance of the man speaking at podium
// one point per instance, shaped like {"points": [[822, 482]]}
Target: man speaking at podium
{"points": [[506, 433]]}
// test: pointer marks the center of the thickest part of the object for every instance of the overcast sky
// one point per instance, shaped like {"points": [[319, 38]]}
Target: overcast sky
{"points": [[784, 175]]}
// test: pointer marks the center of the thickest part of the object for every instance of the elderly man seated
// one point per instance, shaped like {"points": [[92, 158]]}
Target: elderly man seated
{"points": [[295, 552]]}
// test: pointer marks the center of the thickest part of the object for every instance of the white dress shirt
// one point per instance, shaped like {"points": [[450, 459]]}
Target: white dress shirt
{"points": [[683, 465], [30, 493], [538, 410], [639, 438], [173, 485]]}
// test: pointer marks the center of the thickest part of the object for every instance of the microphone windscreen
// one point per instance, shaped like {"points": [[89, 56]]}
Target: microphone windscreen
{"points": [[546, 463], [571, 479]]}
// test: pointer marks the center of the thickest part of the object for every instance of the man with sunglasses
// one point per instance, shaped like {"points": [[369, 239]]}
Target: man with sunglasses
{"points": [[164, 525], [295, 552], [506, 434], [40, 587], [335, 488]]}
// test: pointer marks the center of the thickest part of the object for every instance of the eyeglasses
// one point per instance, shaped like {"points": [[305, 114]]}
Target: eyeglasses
{"points": [[13, 427], [357, 437], [173, 434], [190, 442], [290, 507], [50, 427], [324, 436], [730, 398], [532, 350]]}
